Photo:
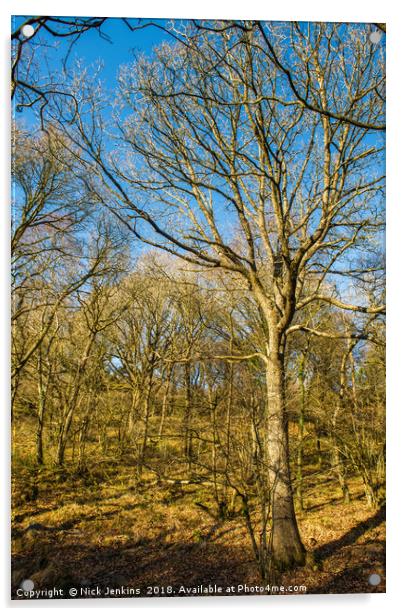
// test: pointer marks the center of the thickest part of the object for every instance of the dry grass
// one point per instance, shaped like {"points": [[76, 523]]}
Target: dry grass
{"points": [[111, 533]]}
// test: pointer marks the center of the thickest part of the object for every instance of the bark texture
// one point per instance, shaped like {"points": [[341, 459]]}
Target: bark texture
{"points": [[287, 546]]}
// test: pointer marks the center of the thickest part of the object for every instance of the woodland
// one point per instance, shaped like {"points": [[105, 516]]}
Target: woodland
{"points": [[198, 308]]}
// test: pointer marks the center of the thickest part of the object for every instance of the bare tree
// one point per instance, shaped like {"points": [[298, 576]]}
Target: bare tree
{"points": [[262, 165], [216, 137]]}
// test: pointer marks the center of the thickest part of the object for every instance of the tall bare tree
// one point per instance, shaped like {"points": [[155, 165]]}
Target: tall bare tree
{"points": [[221, 163]]}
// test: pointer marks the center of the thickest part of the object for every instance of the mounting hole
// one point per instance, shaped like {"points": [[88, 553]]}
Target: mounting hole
{"points": [[28, 30], [374, 579], [27, 585], [375, 36]]}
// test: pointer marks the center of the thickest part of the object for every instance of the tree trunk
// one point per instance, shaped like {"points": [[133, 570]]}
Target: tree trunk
{"points": [[287, 546], [63, 436], [72, 402], [340, 472], [82, 440], [165, 400], [299, 471], [43, 384], [187, 441], [133, 418], [318, 445], [338, 458], [39, 433], [146, 417]]}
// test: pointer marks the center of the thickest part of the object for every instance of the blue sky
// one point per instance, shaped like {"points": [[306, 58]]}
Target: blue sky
{"points": [[115, 52], [91, 47]]}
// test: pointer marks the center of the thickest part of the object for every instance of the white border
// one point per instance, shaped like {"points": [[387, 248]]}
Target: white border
{"points": [[315, 10]]}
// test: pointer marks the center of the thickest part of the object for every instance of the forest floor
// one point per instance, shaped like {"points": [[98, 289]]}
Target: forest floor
{"points": [[109, 532]]}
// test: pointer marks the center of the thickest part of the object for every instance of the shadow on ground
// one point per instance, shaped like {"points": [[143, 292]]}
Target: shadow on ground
{"points": [[349, 561], [143, 564], [352, 535], [59, 557]]}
